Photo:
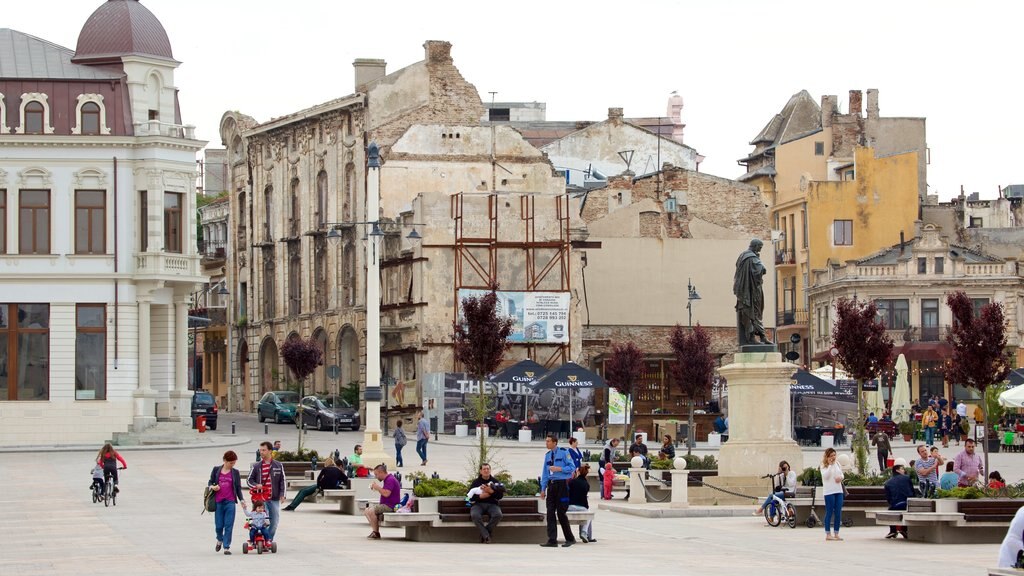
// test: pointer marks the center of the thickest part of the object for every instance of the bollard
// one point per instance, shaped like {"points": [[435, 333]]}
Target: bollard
{"points": [[232, 428], [637, 495], [266, 429]]}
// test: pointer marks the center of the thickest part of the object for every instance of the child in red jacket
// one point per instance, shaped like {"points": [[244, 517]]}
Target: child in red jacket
{"points": [[609, 476]]}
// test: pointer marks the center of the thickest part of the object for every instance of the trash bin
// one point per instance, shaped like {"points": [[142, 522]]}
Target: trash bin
{"points": [[201, 423]]}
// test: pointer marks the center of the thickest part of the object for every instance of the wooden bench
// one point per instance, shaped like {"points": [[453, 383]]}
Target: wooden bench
{"points": [[449, 520], [856, 505], [888, 427], [948, 521]]}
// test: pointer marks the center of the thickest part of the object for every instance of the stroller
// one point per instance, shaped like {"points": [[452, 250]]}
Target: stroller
{"points": [[258, 543]]}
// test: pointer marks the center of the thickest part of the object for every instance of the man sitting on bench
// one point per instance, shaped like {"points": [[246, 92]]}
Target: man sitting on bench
{"points": [[390, 495], [485, 502]]}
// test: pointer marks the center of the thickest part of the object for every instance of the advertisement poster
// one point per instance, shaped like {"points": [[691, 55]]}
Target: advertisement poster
{"points": [[540, 317], [517, 398], [617, 407]]}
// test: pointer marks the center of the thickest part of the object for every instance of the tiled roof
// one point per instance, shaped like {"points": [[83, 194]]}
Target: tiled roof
{"points": [[25, 56], [122, 28]]}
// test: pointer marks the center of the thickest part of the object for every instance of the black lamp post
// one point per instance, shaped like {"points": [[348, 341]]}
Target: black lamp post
{"points": [[691, 295]]}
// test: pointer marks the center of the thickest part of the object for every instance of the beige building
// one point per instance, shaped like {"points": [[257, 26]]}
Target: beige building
{"points": [[909, 282]]}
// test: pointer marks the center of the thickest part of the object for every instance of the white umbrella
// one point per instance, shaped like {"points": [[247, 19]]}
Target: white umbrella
{"points": [[874, 402], [901, 391], [1013, 398]]}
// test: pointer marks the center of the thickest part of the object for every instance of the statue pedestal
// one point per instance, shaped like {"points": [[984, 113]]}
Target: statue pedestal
{"points": [[760, 417]]}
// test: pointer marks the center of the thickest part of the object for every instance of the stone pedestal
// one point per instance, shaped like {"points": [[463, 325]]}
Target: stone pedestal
{"points": [[144, 411], [637, 495], [680, 497], [760, 427], [180, 404]]}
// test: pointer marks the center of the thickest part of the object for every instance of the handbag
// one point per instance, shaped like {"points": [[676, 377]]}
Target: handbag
{"points": [[845, 491]]}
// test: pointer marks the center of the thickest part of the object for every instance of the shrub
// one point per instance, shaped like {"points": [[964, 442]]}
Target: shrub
{"points": [[701, 463], [907, 428], [522, 488], [433, 487], [810, 477], [854, 479], [963, 493], [298, 456]]}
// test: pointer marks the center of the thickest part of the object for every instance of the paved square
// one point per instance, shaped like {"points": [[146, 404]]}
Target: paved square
{"points": [[50, 526]]}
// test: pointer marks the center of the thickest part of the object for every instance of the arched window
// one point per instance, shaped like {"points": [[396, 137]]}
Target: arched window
{"points": [[294, 210], [91, 119], [35, 117], [268, 208], [321, 199]]}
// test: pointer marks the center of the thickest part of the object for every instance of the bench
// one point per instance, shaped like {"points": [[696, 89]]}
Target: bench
{"points": [[448, 520], [949, 521], [856, 505], [888, 427]]}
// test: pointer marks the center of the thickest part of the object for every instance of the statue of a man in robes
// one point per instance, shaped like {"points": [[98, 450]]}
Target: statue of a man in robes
{"points": [[748, 286]]}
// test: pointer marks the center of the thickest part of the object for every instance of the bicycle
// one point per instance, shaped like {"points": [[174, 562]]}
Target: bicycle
{"points": [[778, 510], [110, 492]]}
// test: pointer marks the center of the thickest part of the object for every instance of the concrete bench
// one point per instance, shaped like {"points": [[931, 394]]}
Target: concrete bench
{"points": [[949, 521], [441, 520]]}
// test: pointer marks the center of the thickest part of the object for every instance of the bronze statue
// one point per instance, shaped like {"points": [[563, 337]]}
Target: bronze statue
{"points": [[748, 286]]}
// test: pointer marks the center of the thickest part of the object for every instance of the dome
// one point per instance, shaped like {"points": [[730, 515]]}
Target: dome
{"points": [[121, 28]]}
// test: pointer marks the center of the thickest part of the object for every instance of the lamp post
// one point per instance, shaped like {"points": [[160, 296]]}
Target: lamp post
{"points": [[373, 445], [691, 295]]}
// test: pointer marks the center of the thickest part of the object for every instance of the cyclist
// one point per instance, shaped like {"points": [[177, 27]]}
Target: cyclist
{"points": [[787, 483], [108, 458]]}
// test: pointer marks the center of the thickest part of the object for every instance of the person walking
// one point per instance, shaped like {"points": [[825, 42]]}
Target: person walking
{"points": [[898, 489], [578, 488], [929, 420], [486, 503], [226, 482], [832, 487], [422, 437], [554, 489], [881, 440], [400, 442], [330, 478], [269, 473]]}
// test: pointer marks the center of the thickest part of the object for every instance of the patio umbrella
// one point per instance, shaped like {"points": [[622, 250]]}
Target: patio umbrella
{"points": [[874, 403], [811, 385], [569, 376], [522, 372], [1013, 398], [901, 391]]}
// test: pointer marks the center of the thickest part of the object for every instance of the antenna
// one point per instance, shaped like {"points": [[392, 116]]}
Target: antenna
{"points": [[627, 157]]}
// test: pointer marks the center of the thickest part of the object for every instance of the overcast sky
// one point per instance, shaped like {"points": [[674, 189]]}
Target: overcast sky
{"points": [[735, 63]]}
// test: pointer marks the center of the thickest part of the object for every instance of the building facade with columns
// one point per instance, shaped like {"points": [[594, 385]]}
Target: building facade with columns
{"points": [[97, 185]]}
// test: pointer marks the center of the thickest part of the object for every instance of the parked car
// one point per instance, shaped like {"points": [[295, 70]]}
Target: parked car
{"points": [[323, 411], [203, 404], [279, 406]]}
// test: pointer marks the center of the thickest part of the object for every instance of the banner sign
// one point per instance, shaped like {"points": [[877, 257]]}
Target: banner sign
{"points": [[540, 317], [617, 407], [521, 402]]}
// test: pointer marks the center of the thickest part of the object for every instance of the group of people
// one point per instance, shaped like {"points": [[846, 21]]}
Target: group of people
{"points": [[943, 420], [422, 438]]}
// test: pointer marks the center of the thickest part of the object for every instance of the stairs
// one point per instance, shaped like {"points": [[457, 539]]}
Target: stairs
{"points": [[163, 433]]}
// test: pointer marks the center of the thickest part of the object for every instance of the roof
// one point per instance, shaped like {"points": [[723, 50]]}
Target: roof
{"points": [[122, 28], [25, 56], [762, 171], [891, 255], [801, 115]]}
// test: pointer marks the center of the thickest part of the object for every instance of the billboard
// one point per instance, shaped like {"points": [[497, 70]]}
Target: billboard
{"points": [[539, 317], [520, 399]]}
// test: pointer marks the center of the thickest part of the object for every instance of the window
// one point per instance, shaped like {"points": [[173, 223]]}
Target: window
{"points": [[243, 298], [819, 148], [848, 175], [35, 117], [321, 199], [842, 232], [895, 314], [922, 265], [930, 320], [940, 265], [269, 308], [499, 114], [803, 227], [978, 304], [294, 210], [350, 190], [932, 379], [294, 278], [90, 118], [172, 222], [154, 114], [24, 351], [320, 285], [143, 221], [3, 221], [268, 207], [977, 222], [350, 275], [34, 222], [91, 352], [90, 222]]}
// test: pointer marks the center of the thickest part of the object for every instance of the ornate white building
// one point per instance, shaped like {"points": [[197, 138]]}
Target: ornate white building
{"points": [[97, 232]]}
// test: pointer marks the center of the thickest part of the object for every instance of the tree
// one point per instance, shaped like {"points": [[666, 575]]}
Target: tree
{"points": [[865, 351], [980, 358], [481, 340], [623, 370], [301, 357], [693, 369]]}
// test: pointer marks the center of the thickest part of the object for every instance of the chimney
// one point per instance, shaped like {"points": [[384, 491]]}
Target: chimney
{"points": [[367, 70], [901, 242], [438, 51], [856, 98], [828, 109], [873, 103], [615, 114]]}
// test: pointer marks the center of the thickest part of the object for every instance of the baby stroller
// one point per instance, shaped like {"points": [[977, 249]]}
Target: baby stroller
{"points": [[258, 543]]}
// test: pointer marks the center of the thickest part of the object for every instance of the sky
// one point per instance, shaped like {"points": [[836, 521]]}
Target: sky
{"points": [[735, 62]]}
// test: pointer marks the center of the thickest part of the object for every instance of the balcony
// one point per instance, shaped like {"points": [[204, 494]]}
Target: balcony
{"points": [[918, 334], [158, 128], [791, 318], [163, 264], [785, 257], [213, 250]]}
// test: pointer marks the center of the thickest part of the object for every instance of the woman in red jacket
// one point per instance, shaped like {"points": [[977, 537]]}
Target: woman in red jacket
{"points": [[108, 459]]}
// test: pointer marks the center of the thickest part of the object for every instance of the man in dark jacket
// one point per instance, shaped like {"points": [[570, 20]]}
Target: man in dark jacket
{"points": [[269, 473], [897, 490], [486, 502]]}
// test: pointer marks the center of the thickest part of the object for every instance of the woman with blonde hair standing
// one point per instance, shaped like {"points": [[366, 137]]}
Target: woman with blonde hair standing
{"points": [[832, 487]]}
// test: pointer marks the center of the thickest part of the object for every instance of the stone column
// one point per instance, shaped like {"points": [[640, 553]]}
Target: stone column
{"points": [[144, 398], [760, 420], [181, 397]]}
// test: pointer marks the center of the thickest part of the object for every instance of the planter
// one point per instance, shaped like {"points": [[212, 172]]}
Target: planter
{"points": [[992, 445], [827, 441], [580, 437], [714, 439], [461, 430], [906, 437], [481, 430], [525, 435]]}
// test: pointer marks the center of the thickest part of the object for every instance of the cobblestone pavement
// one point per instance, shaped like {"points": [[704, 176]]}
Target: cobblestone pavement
{"points": [[50, 526]]}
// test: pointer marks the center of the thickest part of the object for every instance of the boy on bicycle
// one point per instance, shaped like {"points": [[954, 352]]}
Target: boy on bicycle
{"points": [[97, 479]]}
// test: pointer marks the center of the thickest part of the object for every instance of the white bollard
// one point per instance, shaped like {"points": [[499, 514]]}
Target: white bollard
{"points": [[637, 494], [680, 477]]}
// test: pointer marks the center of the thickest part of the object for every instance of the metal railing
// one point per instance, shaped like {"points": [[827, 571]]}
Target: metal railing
{"points": [[791, 317], [783, 257]]}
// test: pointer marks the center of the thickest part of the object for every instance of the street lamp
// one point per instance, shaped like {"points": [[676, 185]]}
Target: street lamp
{"points": [[691, 295]]}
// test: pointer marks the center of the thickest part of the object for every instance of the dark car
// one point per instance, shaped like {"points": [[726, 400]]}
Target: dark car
{"points": [[203, 404], [279, 406], [323, 411]]}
